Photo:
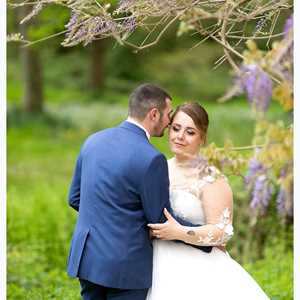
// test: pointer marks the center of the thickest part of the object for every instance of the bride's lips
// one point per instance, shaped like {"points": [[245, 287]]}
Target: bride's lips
{"points": [[178, 145]]}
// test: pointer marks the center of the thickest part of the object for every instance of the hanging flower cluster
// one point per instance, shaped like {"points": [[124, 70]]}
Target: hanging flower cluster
{"points": [[270, 170], [267, 166], [257, 85], [266, 75]]}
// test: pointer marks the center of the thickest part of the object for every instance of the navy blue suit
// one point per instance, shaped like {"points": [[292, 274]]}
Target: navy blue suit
{"points": [[120, 185]]}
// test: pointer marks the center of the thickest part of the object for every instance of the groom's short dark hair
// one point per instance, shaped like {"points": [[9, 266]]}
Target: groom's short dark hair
{"points": [[144, 98]]}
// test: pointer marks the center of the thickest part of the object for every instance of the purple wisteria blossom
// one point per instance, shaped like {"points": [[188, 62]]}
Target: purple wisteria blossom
{"points": [[289, 23], [257, 181], [129, 24], [261, 193], [85, 29], [73, 20], [280, 201], [80, 34], [285, 196], [284, 202], [257, 85], [103, 26], [124, 5], [284, 64], [255, 167], [74, 29]]}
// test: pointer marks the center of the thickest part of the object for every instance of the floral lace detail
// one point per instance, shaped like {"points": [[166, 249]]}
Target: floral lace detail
{"points": [[227, 231], [210, 174], [186, 189]]}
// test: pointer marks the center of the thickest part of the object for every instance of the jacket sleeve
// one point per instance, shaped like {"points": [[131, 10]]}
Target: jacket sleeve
{"points": [[74, 191], [155, 190]]}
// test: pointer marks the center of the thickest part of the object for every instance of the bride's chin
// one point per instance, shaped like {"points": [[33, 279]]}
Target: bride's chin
{"points": [[175, 150], [178, 152]]}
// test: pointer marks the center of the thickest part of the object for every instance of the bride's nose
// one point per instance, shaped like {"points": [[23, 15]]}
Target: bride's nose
{"points": [[180, 134]]}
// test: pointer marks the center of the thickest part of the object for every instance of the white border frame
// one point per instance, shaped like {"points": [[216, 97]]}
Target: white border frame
{"points": [[3, 150]]}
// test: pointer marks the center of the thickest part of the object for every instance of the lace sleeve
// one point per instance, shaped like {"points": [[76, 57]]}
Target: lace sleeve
{"points": [[210, 174], [216, 199]]}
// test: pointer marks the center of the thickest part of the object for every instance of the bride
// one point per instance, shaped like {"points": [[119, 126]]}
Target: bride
{"points": [[199, 193]]}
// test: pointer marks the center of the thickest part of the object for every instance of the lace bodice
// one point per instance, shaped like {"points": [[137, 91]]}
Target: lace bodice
{"points": [[186, 198], [187, 206]]}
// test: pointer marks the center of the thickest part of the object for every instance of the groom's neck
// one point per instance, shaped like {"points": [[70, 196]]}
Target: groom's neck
{"points": [[142, 124]]}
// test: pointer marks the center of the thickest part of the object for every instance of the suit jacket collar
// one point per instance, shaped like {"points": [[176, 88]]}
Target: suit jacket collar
{"points": [[134, 128], [130, 120]]}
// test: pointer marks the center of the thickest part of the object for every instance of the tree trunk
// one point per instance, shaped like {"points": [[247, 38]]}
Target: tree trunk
{"points": [[33, 82], [32, 72], [96, 79]]}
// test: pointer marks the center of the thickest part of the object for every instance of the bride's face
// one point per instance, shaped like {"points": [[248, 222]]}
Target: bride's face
{"points": [[184, 136]]}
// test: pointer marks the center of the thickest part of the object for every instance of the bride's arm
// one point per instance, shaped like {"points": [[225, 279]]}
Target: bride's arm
{"points": [[217, 206]]}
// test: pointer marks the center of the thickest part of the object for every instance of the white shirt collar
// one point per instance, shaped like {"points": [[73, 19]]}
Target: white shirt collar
{"points": [[130, 120]]}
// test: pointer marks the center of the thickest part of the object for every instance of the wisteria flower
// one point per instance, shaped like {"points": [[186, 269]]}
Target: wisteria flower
{"points": [[288, 26], [262, 192], [254, 168], [257, 85]]}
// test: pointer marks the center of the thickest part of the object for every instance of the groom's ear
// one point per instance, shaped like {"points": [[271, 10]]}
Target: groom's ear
{"points": [[154, 114]]}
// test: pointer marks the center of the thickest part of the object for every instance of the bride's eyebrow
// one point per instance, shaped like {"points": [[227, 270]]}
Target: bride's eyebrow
{"points": [[186, 127], [191, 128]]}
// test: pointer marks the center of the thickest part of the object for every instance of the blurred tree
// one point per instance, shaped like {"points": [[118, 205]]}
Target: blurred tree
{"points": [[97, 73], [32, 70]]}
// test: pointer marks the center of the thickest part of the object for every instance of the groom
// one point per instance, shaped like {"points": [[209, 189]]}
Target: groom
{"points": [[120, 184]]}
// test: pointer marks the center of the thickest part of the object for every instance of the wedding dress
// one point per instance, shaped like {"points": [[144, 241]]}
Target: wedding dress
{"points": [[182, 272]]}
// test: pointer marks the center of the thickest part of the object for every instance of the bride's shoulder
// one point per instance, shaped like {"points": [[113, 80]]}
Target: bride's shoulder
{"points": [[211, 174], [214, 184]]}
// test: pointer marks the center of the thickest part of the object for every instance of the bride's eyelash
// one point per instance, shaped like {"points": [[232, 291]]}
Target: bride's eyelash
{"points": [[175, 128], [190, 132]]}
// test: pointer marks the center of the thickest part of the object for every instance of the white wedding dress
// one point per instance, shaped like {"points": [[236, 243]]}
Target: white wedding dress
{"points": [[182, 272]]}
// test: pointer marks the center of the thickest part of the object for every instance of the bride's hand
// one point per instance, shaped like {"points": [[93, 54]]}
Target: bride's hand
{"points": [[170, 230]]}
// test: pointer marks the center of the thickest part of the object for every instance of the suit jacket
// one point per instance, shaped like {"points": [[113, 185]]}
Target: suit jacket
{"points": [[120, 184]]}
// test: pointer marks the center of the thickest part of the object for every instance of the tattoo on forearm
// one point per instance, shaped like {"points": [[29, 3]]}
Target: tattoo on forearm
{"points": [[191, 232]]}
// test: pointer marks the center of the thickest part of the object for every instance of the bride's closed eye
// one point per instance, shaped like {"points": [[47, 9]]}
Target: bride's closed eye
{"points": [[189, 131], [175, 128]]}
